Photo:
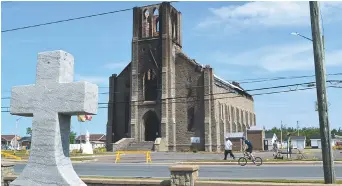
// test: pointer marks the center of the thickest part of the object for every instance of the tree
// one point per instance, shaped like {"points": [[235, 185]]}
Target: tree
{"points": [[29, 131], [72, 137]]}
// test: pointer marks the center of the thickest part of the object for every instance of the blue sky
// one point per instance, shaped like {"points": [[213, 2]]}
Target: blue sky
{"points": [[240, 40]]}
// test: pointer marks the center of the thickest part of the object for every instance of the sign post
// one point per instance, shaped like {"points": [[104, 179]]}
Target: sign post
{"points": [[194, 142]]}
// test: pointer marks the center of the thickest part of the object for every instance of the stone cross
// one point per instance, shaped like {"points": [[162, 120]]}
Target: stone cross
{"points": [[51, 102]]}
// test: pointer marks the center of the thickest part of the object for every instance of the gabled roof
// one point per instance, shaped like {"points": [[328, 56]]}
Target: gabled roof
{"points": [[255, 128], [333, 136], [269, 135], [235, 135], [298, 137], [8, 137], [295, 138], [93, 137], [26, 138]]}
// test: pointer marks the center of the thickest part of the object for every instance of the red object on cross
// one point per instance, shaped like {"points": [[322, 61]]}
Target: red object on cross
{"points": [[88, 117]]}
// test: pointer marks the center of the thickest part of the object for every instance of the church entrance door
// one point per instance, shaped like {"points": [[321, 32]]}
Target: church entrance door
{"points": [[152, 124]]}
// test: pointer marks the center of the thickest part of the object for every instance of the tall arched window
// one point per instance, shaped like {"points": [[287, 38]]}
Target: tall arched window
{"points": [[156, 22], [146, 24], [150, 85], [191, 119]]}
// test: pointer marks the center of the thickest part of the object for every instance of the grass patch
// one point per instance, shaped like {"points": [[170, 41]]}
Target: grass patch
{"points": [[81, 159], [267, 181], [277, 181]]}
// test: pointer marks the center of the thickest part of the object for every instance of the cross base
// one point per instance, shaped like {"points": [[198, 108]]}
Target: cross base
{"points": [[42, 175]]}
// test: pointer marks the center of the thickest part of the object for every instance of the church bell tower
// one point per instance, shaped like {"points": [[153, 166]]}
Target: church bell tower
{"points": [[156, 37]]}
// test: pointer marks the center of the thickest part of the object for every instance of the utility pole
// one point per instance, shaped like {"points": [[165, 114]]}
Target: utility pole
{"points": [[297, 128], [328, 163], [281, 134]]}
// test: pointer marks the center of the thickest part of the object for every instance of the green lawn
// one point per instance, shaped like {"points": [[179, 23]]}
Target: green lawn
{"points": [[278, 181]]}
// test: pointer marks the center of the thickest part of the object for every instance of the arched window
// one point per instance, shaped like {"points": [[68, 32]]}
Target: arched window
{"points": [[191, 119], [156, 22], [150, 85], [146, 24]]}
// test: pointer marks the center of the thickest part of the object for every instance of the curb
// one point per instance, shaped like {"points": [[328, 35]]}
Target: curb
{"points": [[25, 161], [264, 163]]}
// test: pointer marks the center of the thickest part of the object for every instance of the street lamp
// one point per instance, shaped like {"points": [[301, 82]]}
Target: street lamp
{"points": [[16, 130], [300, 35], [323, 45]]}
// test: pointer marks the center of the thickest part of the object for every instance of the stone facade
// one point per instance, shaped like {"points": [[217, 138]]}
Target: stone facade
{"points": [[163, 93], [7, 169], [184, 175]]}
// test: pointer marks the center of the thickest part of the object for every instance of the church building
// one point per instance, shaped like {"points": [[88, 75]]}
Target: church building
{"points": [[163, 94]]}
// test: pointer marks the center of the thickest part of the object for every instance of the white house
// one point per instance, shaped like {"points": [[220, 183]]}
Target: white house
{"points": [[10, 140], [316, 141], [298, 142], [97, 141], [270, 138]]}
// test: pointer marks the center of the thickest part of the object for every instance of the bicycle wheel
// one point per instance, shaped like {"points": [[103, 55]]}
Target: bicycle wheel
{"points": [[258, 161], [242, 161]]}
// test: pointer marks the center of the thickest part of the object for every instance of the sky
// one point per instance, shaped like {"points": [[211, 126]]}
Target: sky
{"points": [[240, 40]]}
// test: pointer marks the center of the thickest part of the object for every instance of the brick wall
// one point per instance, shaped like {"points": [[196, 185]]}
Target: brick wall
{"points": [[257, 139], [236, 144]]}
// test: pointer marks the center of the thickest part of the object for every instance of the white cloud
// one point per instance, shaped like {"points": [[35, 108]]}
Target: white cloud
{"points": [[116, 66], [92, 79], [279, 58], [268, 14]]}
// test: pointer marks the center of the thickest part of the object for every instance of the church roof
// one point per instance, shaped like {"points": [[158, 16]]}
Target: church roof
{"points": [[216, 78], [218, 81]]}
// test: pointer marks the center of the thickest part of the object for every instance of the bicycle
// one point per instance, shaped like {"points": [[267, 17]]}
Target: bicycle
{"points": [[243, 160]]}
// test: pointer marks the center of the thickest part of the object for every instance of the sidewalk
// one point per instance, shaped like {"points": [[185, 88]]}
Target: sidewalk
{"points": [[264, 163]]}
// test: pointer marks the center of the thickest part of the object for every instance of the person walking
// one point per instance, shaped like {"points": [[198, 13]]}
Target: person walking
{"points": [[228, 149]]}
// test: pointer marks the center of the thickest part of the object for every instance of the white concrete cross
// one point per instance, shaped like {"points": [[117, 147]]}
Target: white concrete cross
{"points": [[52, 101]]}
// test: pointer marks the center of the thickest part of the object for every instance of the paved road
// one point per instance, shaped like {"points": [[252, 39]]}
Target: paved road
{"points": [[292, 172], [171, 157]]}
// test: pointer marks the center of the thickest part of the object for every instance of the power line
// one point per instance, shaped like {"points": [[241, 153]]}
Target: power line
{"points": [[72, 19], [185, 99], [334, 82], [195, 100], [307, 84], [257, 80], [66, 20]]}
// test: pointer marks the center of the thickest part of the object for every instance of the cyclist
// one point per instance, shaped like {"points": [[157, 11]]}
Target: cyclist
{"points": [[249, 148]]}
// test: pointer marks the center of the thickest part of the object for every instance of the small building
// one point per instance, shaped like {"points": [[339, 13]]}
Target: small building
{"points": [[316, 141], [25, 142], [270, 138], [298, 142], [98, 140], [236, 139], [10, 140], [256, 135]]}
